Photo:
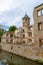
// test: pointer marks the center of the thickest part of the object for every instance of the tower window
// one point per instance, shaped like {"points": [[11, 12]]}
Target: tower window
{"points": [[23, 35], [23, 30], [26, 19]]}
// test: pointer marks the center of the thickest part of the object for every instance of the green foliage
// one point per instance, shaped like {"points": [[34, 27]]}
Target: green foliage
{"points": [[1, 33], [40, 61], [0, 39], [12, 28]]}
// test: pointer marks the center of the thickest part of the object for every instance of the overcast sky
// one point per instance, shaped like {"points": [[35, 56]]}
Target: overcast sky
{"points": [[12, 11]]}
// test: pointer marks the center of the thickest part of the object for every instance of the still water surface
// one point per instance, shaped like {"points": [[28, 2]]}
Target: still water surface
{"points": [[7, 58]]}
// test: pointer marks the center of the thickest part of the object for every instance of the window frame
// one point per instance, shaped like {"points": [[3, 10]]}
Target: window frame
{"points": [[39, 13], [39, 26]]}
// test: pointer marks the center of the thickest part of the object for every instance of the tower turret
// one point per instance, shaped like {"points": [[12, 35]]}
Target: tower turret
{"points": [[26, 21]]}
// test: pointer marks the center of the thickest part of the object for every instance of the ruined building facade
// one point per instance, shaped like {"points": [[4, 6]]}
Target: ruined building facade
{"points": [[28, 34], [22, 35], [38, 25]]}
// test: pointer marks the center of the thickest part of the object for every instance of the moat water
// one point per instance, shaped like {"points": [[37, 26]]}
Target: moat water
{"points": [[7, 58]]}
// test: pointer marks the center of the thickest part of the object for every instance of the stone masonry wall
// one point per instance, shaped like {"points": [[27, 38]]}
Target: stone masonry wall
{"points": [[23, 50]]}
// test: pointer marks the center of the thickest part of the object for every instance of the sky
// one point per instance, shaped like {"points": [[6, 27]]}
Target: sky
{"points": [[12, 11]]}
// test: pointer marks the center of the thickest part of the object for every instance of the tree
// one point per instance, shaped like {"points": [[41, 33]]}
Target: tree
{"points": [[12, 28], [1, 33]]}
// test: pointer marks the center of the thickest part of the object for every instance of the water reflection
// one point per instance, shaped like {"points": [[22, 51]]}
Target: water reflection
{"points": [[5, 62], [7, 58]]}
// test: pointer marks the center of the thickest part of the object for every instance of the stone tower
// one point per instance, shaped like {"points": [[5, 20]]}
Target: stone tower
{"points": [[26, 21], [26, 24]]}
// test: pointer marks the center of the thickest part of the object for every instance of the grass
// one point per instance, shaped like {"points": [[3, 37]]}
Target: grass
{"points": [[39, 61]]}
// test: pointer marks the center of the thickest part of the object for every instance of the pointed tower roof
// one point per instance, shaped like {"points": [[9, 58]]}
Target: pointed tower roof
{"points": [[26, 16]]}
